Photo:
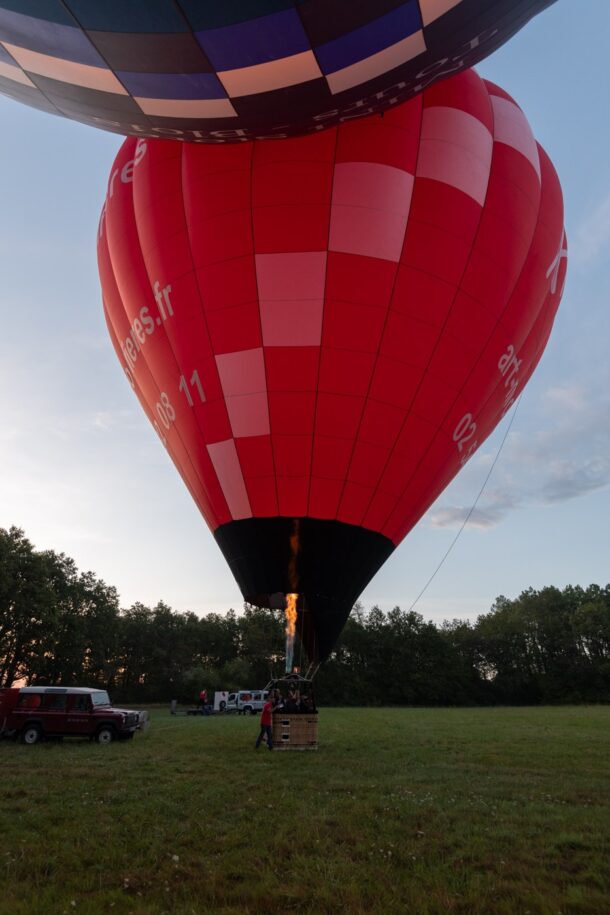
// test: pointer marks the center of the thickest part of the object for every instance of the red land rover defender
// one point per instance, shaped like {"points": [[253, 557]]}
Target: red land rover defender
{"points": [[36, 712]]}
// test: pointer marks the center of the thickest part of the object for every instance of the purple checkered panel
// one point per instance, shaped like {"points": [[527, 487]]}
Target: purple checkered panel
{"points": [[230, 70]]}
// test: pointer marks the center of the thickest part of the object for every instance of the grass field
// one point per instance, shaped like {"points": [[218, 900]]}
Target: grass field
{"points": [[400, 810]]}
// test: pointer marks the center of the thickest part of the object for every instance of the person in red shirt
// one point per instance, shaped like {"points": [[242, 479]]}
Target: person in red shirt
{"points": [[266, 723], [203, 698]]}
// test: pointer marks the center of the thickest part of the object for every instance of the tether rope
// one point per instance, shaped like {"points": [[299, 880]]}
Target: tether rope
{"points": [[467, 518]]}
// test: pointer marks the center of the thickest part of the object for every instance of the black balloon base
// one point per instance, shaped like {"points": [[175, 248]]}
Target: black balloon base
{"points": [[327, 563]]}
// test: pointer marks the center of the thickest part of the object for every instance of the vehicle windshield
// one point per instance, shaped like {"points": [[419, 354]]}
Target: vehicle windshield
{"points": [[100, 698]]}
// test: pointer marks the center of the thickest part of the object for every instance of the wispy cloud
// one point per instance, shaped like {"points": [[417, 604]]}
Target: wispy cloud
{"points": [[570, 397], [486, 515], [567, 457], [592, 237], [570, 479], [106, 421], [115, 421]]}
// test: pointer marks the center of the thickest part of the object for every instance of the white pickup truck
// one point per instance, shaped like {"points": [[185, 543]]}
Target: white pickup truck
{"points": [[246, 701]]}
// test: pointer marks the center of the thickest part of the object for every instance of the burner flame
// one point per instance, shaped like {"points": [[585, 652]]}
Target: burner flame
{"points": [[291, 625]]}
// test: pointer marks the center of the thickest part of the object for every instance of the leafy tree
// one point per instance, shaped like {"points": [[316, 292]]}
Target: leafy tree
{"points": [[60, 626], [27, 605]]}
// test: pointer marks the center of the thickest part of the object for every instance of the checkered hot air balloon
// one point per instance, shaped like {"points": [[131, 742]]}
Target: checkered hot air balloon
{"points": [[227, 70], [323, 330]]}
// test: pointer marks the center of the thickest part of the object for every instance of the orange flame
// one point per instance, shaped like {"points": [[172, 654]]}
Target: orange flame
{"points": [[291, 614], [291, 624]]}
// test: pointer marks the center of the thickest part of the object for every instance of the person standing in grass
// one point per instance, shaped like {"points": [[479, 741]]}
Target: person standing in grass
{"points": [[266, 724]]}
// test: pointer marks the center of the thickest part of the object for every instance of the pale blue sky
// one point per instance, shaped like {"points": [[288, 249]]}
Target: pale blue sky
{"points": [[82, 471]]}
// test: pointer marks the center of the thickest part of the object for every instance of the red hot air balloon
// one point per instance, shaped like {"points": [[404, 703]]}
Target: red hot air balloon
{"points": [[323, 330], [225, 70]]}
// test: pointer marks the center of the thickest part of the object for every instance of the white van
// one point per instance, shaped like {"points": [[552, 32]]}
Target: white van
{"points": [[220, 700], [247, 701]]}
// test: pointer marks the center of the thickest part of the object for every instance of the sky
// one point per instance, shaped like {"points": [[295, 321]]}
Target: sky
{"points": [[82, 472]]}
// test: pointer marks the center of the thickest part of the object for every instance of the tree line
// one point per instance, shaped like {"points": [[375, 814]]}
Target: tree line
{"points": [[63, 627]]}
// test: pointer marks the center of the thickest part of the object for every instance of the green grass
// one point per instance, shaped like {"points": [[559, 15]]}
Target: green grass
{"points": [[400, 810]]}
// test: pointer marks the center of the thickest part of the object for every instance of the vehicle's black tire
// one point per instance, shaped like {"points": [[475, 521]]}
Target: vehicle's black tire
{"points": [[31, 734], [222, 705], [106, 734]]}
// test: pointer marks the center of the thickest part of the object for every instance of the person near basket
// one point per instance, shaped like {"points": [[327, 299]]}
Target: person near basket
{"points": [[266, 724]]}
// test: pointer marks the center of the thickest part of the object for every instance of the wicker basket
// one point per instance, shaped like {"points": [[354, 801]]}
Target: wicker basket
{"points": [[295, 732]]}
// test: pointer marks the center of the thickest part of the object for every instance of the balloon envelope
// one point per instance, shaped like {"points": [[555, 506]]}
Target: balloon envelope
{"points": [[323, 330], [226, 70]]}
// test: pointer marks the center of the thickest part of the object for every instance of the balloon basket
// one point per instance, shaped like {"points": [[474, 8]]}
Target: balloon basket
{"points": [[295, 719], [295, 732]]}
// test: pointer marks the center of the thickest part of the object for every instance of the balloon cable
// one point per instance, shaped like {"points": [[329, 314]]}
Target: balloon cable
{"points": [[468, 516]]}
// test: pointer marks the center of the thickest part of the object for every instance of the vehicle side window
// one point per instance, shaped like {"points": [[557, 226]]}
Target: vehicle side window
{"points": [[54, 703], [28, 700], [256, 697], [81, 704]]}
